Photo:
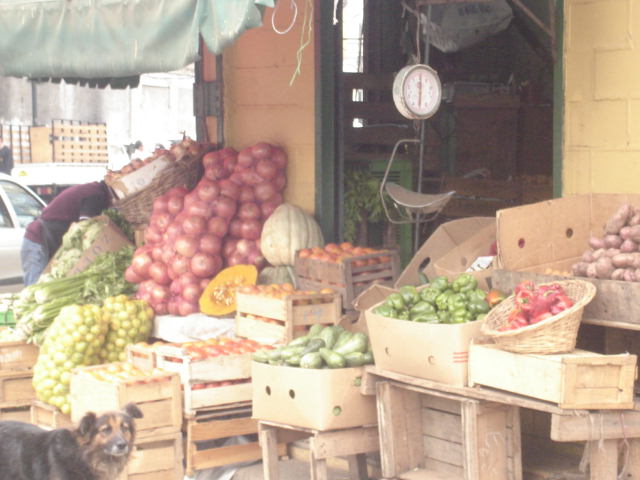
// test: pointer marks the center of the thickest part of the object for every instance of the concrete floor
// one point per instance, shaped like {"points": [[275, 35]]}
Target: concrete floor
{"points": [[289, 470]]}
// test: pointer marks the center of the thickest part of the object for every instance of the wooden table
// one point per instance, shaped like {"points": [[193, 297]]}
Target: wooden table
{"points": [[603, 430], [352, 443]]}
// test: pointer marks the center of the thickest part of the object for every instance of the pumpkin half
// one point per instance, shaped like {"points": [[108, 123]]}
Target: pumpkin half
{"points": [[288, 229], [219, 298]]}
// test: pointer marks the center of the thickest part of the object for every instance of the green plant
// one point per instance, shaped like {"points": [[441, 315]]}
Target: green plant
{"points": [[361, 201]]}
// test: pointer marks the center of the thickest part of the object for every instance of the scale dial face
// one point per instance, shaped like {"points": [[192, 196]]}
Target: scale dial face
{"points": [[417, 92]]}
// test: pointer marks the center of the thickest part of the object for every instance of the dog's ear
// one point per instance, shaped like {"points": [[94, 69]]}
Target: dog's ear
{"points": [[87, 424], [132, 410]]}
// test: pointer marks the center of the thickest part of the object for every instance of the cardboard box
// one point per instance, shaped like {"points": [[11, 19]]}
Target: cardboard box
{"points": [[367, 299], [318, 399], [446, 238], [576, 380], [464, 257], [111, 239], [437, 352], [137, 180], [527, 251]]}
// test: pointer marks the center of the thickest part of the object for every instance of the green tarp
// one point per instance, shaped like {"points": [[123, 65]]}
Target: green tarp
{"points": [[92, 39]]}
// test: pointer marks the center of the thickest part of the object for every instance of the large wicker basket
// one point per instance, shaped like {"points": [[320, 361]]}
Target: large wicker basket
{"points": [[184, 172], [556, 334]]}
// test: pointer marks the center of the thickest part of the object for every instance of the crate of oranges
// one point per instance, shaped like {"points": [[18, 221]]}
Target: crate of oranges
{"points": [[347, 269], [278, 313]]}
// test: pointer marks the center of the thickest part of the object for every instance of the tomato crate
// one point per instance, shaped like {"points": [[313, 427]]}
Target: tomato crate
{"points": [[210, 434], [192, 369], [282, 319], [16, 389], [157, 394], [351, 276], [142, 356], [210, 394], [17, 355], [16, 414], [48, 417], [159, 457]]}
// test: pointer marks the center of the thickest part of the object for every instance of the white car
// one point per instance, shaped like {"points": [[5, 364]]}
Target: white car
{"points": [[19, 206]]}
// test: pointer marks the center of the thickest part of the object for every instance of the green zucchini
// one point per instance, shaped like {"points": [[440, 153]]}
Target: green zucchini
{"points": [[332, 359]]}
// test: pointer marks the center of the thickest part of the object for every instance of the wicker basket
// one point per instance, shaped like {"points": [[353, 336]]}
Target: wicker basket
{"points": [[184, 172], [556, 334]]}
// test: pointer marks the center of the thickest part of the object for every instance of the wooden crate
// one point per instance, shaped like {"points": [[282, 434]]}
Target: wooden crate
{"points": [[159, 457], [429, 434], [16, 388], [176, 359], [202, 395], [48, 417], [17, 355], [576, 380], [206, 432], [292, 314], [346, 277], [141, 356], [16, 414], [158, 397]]}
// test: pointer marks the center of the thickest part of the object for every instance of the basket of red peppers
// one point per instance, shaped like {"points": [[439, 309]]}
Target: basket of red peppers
{"points": [[541, 318]]}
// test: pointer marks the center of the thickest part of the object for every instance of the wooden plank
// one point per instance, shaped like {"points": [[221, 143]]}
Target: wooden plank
{"points": [[318, 467], [441, 425], [345, 442], [633, 462], [215, 429], [444, 451], [228, 454], [603, 459], [595, 425], [269, 445], [400, 429], [445, 404], [16, 388], [358, 467], [16, 414], [17, 355], [470, 446]]}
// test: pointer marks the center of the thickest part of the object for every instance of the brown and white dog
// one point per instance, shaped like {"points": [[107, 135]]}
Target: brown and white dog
{"points": [[98, 449]]}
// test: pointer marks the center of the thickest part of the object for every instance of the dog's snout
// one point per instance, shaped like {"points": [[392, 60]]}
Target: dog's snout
{"points": [[121, 444], [117, 446]]}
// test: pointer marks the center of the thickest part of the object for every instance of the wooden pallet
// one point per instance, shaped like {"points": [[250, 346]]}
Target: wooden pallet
{"points": [[206, 431], [352, 443], [17, 355], [159, 457]]}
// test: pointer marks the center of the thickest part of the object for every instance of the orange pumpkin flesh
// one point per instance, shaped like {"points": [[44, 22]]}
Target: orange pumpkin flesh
{"points": [[219, 298]]}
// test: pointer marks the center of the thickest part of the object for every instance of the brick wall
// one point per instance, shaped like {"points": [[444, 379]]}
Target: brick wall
{"points": [[601, 151]]}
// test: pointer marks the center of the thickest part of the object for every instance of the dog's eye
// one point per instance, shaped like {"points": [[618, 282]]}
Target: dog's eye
{"points": [[106, 430], [125, 427]]}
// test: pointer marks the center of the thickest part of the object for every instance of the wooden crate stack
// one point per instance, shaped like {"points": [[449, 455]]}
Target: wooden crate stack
{"points": [[280, 320], [158, 450], [16, 373], [351, 276]]}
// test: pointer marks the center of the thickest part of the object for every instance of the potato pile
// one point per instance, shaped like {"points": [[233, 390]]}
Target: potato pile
{"points": [[616, 255]]}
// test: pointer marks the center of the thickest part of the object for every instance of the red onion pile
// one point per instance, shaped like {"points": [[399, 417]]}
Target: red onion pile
{"points": [[192, 235]]}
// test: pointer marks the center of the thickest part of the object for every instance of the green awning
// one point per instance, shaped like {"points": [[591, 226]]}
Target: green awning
{"points": [[97, 39]]}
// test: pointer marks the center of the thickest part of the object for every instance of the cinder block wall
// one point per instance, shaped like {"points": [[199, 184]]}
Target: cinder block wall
{"points": [[260, 105], [601, 151]]}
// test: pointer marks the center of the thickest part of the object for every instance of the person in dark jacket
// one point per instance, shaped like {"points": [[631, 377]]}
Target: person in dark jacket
{"points": [[6, 158], [44, 235]]}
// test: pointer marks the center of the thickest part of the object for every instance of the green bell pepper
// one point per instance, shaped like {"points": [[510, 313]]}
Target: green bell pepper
{"points": [[464, 282], [429, 295], [476, 294], [403, 315], [422, 307], [478, 306], [396, 301], [461, 315], [441, 299], [385, 310], [409, 294], [440, 283], [426, 318], [444, 316], [456, 301]]}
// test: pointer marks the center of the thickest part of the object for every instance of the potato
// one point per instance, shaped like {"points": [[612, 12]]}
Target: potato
{"points": [[635, 219], [619, 219], [633, 233], [580, 269], [604, 267], [611, 252], [612, 241], [587, 257], [628, 246], [595, 242], [623, 260], [598, 253], [591, 270], [629, 275], [618, 274]]}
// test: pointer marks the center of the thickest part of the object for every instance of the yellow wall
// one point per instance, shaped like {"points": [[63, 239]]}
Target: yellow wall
{"points": [[261, 106], [601, 151]]}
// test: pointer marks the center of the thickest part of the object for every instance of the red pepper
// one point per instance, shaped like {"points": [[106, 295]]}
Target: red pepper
{"points": [[517, 319], [524, 292], [562, 302], [542, 302], [542, 316]]}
